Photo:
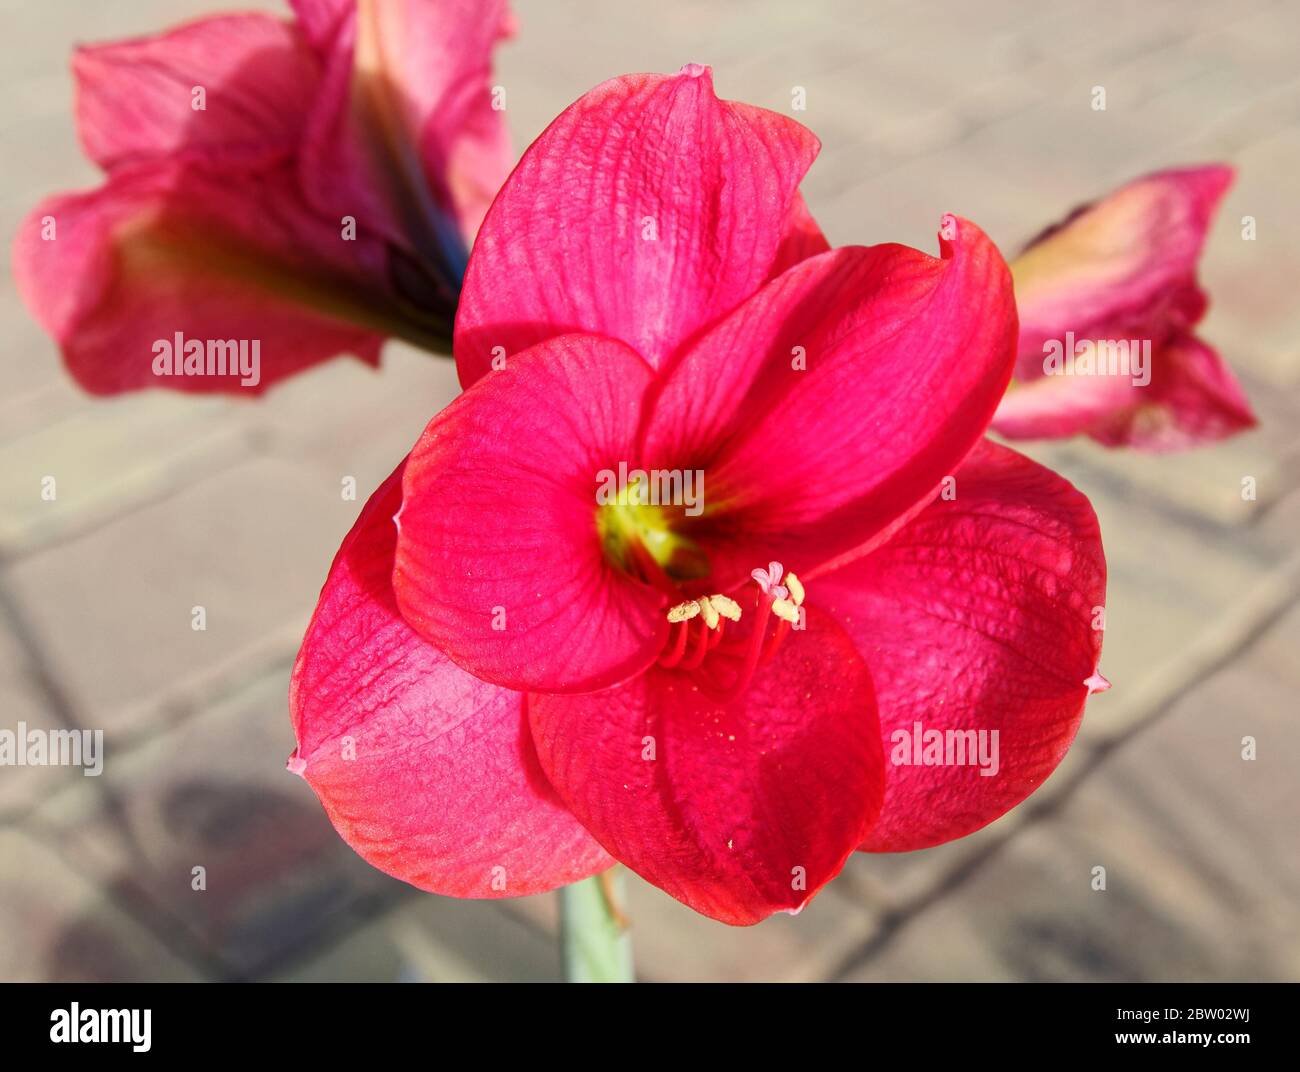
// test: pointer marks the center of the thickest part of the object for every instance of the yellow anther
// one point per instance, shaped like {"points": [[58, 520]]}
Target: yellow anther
{"points": [[709, 611], [796, 589], [783, 608], [683, 612], [726, 606]]}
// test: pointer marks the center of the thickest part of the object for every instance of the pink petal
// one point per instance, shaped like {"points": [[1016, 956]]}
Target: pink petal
{"points": [[738, 810], [646, 210], [838, 397], [428, 773], [159, 251], [320, 19], [135, 99], [1192, 398], [500, 561], [403, 134], [803, 238], [978, 615], [1124, 269]]}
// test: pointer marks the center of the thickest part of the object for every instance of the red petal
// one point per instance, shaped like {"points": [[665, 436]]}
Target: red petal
{"points": [[499, 561], [135, 98], [803, 238], [645, 211], [403, 135], [740, 810], [161, 251], [1124, 269], [443, 788], [977, 615], [1192, 398], [837, 398]]}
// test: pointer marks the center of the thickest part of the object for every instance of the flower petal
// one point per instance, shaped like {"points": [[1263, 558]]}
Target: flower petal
{"points": [[645, 211], [428, 773], [404, 136], [803, 238], [500, 561], [977, 616], [738, 810], [1121, 264], [838, 397], [1192, 398], [113, 273], [1123, 271], [136, 100]]}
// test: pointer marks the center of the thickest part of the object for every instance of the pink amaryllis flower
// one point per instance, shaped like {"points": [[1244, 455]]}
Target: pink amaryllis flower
{"points": [[1108, 301], [305, 185], [520, 672]]}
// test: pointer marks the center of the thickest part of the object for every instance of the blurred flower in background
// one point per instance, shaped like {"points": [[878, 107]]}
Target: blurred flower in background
{"points": [[1114, 285], [312, 184]]}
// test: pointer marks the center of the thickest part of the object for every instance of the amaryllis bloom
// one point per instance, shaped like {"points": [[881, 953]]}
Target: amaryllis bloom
{"points": [[307, 186], [515, 678], [1108, 301]]}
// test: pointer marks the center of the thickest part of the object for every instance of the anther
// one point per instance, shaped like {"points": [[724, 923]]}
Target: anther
{"points": [[684, 612]]}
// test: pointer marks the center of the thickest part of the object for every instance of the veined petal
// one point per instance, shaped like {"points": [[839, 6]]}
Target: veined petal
{"points": [[978, 617], [837, 398], [803, 238], [136, 99], [738, 810], [429, 773], [646, 210], [500, 561], [159, 253]]}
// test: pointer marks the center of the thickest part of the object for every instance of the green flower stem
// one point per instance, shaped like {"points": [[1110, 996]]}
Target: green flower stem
{"points": [[595, 944]]}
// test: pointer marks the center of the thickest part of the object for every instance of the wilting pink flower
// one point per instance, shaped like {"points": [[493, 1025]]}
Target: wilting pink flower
{"points": [[511, 680], [308, 185], [1108, 301]]}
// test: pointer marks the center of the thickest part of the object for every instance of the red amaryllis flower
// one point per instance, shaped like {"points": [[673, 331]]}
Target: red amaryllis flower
{"points": [[1108, 300], [299, 185], [674, 577]]}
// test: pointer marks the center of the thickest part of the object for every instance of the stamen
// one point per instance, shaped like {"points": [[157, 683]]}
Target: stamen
{"points": [[784, 608], [726, 606], [683, 612], [714, 612], [673, 655], [796, 589], [773, 598]]}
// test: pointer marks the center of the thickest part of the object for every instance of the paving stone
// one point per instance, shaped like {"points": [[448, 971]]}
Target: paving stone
{"points": [[1199, 847], [113, 609], [346, 419], [24, 705], [106, 459], [429, 939], [61, 927], [1252, 311], [213, 793]]}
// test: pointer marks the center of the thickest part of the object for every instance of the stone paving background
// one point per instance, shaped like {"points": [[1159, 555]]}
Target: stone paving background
{"points": [[923, 107]]}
